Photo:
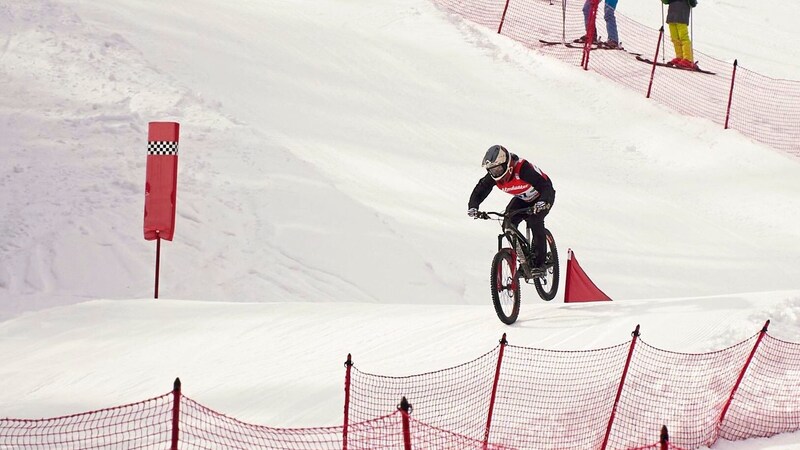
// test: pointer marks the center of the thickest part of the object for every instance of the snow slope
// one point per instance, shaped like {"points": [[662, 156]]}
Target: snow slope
{"points": [[327, 152]]}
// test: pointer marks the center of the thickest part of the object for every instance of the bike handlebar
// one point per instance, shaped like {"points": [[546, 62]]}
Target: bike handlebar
{"points": [[485, 214]]}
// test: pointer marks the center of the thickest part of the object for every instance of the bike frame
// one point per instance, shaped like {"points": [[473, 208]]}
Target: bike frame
{"points": [[513, 235]]}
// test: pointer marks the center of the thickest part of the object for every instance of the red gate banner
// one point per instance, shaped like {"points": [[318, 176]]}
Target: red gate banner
{"points": [[161, 185], [578, 287]]}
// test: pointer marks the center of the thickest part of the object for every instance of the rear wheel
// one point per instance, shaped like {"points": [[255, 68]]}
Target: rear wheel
{"points": [[505, 286], [547, 285]]}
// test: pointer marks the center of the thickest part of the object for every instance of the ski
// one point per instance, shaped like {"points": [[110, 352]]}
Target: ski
{"points": [[595, 46], [567, 43], [600, 45], [649, 61], [550, 42]]}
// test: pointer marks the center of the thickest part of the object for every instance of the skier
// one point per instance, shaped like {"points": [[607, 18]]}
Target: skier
{"points": [[530, 187], [678, 15], [609, 14]]}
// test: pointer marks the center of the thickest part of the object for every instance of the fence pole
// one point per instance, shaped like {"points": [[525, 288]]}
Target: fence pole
{"points": [[503, 343], [591, 32], [158, 261], [348, 364], [405, 410], [176, 412], [635, 335], [664, 441], [741, 376], [730, 94], [503, 18], [655, 58]]}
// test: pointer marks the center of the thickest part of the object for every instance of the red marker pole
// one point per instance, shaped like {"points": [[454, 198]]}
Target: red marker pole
{"points": [[161, 186], [158, 262]]}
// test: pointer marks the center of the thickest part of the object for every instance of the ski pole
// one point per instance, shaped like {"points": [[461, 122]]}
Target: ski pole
{"points": [[691, 35], [663, 42]]}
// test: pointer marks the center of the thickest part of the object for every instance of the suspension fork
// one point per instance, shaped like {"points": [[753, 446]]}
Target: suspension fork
{"points": [[519, 246], [511, 239]]}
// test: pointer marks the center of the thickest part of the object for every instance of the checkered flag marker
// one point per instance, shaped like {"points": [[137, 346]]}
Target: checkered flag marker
{"points": [[162, 148], [161, 186]]}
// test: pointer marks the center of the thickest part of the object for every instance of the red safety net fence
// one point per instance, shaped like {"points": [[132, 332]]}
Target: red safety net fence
{"points": [[142, 425], [544, 398], [203, 428], [618, 397], [625, 396], [765, 109], [174, 421]]}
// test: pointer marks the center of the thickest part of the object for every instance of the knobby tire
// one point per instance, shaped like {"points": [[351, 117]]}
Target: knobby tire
{"points": [[505, 286], [547, 286]]}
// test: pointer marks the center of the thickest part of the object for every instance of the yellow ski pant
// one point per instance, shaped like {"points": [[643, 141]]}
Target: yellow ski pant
{"points": [[679, 33]]}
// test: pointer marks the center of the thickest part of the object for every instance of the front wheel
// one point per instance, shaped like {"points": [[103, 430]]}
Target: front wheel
{"points": [[505, 286], [547, 285]]}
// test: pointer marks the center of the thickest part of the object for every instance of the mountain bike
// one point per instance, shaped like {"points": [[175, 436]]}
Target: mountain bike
{"points": [[511, 264]]}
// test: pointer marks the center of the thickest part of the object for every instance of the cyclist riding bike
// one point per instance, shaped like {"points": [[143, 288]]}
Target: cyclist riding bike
{"points": [[530, 187]]}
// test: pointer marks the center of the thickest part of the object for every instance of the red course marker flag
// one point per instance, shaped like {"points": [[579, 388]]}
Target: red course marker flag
{"points": [[160, 191], [578, 287]]}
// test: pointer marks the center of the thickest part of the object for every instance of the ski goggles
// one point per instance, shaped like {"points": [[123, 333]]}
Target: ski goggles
{"points": [[496, 170]]}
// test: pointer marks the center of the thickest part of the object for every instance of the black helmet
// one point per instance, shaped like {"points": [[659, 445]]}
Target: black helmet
{"points": [[496, 162]]}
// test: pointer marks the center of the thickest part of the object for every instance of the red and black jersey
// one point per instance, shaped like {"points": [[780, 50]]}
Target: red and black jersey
{"points": [[527, 182]]}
